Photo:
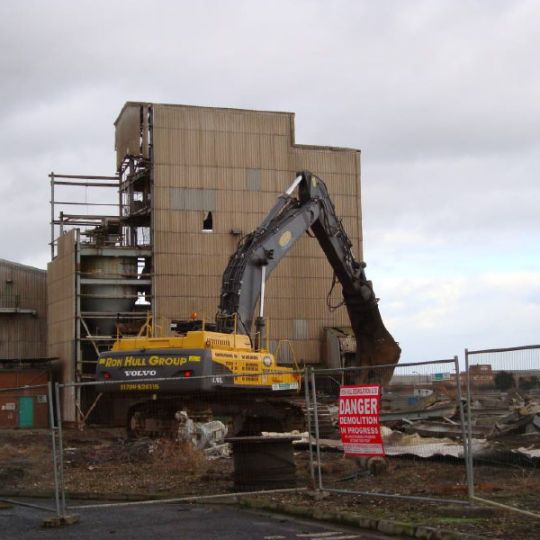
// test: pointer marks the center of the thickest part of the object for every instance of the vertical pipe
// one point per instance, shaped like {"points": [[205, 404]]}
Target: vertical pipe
{"points": [[52, 214], [464, 432], [235, 325], [316, 418], [52, 427], [308, 411], [469, 424], [76, 391], [60, 448], [259, 321], [263, 286]]}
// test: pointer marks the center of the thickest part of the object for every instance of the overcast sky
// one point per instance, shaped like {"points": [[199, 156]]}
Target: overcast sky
{"points": [[443, 98]]}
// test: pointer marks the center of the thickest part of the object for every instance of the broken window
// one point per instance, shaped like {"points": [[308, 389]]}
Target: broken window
{"points": [[208, 225]]}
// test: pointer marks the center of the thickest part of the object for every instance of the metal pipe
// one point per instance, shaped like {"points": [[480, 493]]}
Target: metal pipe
{"points": [[86, 203], [293, 186], [506, 507], [84, 177], [316, 419], [53, 440], [469, 425], [464, 432], [79, 319], [28, 505], [406, 364], [188, 499], [263, 287], [508, 349], [308, 409], [24, 387], [165, 379], [52, 214], [84, 184], [60, 450], [395, 496]]}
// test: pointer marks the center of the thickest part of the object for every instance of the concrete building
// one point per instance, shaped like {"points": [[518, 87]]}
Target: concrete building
{"points": [[191, 182]]}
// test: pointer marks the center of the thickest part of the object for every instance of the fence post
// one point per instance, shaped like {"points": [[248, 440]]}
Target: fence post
{"points": [[464, 432], [53, 428], [308, 412], [60, 448], [470, 463], [316, 419]]}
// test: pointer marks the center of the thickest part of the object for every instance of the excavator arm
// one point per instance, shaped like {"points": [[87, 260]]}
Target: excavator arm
{"points": [[259, 252]]}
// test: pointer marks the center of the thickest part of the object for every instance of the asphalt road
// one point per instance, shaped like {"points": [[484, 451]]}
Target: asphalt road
{"points": [[179, 521]]}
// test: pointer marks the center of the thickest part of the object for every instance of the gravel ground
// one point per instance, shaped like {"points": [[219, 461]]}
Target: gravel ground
{"points": [[102, 463]]}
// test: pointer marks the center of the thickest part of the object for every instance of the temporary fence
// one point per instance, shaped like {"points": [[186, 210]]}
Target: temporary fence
{"points": [[423, 451], [202, 445], [503, 417], [199, 443], [29, 473]]}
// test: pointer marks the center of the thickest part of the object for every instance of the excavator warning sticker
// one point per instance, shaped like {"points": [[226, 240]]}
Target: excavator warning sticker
{"points": [[360, 421]]}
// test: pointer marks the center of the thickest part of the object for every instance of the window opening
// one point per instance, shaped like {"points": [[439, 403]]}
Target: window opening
{"points": [[208, 225]]}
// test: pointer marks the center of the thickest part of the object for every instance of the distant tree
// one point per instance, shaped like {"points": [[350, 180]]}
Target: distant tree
{"points": [[504, 381]]}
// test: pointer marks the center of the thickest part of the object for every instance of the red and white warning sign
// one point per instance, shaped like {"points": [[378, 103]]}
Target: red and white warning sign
{"points": [[359, 420]]}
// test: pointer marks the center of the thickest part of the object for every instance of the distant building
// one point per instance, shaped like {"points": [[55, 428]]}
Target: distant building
{"points": [[481, 375]]}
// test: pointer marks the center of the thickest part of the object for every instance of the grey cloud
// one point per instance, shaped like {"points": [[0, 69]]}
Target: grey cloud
{"points": [[442, 98]]}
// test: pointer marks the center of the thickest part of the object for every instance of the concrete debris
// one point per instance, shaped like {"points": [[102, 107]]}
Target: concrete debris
{"points": [[503, 426], [218, 451], [202, 435]]}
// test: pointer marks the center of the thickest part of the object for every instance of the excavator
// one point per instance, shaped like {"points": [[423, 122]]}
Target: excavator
{"points": [[220, 369]]}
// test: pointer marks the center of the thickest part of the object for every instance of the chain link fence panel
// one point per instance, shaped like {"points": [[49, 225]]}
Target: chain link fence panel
{"points": [[191, 442], [423, 433], [503, 411], [28, 468]]}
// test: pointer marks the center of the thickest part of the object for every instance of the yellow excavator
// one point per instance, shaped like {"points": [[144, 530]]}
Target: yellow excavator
{"points": [[219, 368]]}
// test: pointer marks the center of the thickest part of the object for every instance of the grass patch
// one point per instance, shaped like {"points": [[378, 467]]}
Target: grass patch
{"points": [[453, 520]]}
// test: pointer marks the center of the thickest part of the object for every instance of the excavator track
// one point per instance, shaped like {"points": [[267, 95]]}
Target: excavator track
{"points": [[156, 418]]}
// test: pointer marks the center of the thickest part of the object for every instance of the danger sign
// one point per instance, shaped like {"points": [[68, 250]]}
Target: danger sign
{"points": [[359, 420]]}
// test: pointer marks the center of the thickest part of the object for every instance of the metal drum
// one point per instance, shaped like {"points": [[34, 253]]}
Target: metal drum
{"points": [[262, 463]]}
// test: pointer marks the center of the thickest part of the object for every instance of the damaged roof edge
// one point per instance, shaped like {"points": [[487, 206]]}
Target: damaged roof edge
{"points": [[291, 116]]}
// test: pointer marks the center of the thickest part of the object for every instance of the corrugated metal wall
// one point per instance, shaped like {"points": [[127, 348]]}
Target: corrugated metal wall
{"points": [[244, 159], [22, 335]]}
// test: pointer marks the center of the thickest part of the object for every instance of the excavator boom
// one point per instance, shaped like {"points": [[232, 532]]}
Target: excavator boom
{"points": [[261, 251]]}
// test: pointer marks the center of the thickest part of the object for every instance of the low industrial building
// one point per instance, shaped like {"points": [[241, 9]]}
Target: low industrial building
{"points": [[23, 346]]}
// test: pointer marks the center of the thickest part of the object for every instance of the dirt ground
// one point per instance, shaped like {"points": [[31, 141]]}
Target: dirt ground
{"points": [[102, 463]]}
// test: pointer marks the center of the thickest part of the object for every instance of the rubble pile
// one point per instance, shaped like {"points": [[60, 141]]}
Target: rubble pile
{"points": [[504, 426]]}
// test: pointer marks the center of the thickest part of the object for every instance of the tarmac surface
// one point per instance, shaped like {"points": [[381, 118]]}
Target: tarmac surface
{"points": [[179, 521]]}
